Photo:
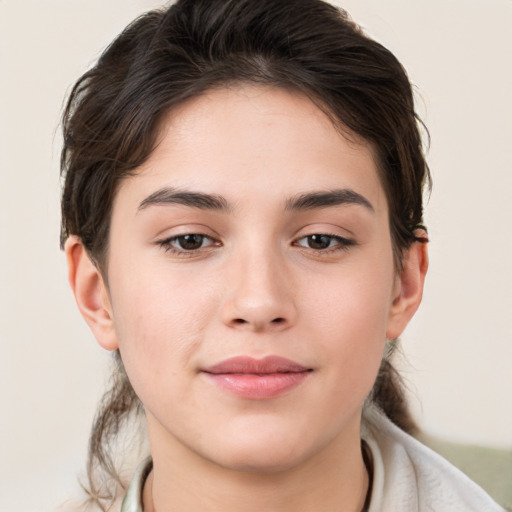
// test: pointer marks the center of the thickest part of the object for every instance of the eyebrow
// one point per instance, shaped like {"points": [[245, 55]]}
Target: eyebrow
{"points": [[324, 199], [169, 195], [306, 201]]}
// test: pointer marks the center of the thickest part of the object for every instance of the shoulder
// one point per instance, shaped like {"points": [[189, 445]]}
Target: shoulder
{"points": [[410, 476], [491, 468]]}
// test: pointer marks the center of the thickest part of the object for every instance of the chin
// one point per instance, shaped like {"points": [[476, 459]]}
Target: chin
{"points": [[264, 451], [264, 460]]}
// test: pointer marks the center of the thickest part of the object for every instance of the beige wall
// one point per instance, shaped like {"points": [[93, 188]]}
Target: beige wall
{"points": [[459, 347]]}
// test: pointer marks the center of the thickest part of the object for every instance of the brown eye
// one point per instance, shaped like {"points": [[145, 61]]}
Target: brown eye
{"points": [[190, 242], [319, 242], [322, 242]]}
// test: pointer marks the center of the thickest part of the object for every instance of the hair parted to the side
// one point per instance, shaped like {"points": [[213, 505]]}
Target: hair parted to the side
{"points": [[168, 56]]}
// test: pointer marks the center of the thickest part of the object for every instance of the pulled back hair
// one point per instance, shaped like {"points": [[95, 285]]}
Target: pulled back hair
{"points": [[167, 56]]}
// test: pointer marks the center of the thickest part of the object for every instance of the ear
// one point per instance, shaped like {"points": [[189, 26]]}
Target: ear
{"points": [[408, 289], [90, 293]]}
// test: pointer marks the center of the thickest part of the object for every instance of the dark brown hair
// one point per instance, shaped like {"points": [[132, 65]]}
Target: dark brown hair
{"points": [[167, 56]]}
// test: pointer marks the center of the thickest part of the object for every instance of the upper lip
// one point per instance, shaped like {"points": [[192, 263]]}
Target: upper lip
{"points": [[251, 365]]}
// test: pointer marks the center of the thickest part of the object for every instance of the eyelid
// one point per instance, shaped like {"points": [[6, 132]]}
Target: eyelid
{"points": [[166, 244], [343, 242], [174, 228], [329, 228]]}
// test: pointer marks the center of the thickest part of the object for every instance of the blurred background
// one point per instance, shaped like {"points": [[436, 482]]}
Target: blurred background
{"points": [[458, 350]]}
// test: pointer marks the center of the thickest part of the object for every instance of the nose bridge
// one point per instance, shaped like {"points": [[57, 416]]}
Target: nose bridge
{"points": [[258, 295]]}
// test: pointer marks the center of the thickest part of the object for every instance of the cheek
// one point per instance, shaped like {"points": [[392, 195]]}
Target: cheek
{"points": [[160, 321], [351, 312], [355, 300]]}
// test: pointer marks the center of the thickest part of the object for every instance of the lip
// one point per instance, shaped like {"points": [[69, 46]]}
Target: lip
{"points": [[257, 379]]}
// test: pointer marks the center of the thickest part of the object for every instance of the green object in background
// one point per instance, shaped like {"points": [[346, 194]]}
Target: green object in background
{"points": [[490, 468]]}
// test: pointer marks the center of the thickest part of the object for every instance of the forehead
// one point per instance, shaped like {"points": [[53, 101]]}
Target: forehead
{"points": [[247, 142]]}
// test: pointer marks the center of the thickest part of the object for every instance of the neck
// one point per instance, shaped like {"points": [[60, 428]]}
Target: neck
{"points": [[334, 479]]}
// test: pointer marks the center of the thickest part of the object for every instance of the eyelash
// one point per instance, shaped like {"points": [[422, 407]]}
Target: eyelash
{"points": [[168, 247], [341, 244]]}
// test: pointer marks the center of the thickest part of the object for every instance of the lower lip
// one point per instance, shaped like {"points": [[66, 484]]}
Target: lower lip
{"points": [[258, 386]]}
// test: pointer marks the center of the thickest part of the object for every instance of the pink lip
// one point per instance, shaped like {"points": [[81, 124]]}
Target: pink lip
{"points": [[257, 379]]}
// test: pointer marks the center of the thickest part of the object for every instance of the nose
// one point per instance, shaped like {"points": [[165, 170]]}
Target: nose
{"points": [[259, 294]]}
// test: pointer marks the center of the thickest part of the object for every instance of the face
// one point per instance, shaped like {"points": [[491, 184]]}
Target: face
{"points": [[251, 284]]}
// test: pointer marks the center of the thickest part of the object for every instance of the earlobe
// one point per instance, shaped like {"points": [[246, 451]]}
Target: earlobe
{"points": [[90, 293], [409, 290]]}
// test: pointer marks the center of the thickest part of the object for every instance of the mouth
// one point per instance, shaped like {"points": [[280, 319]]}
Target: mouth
{"points": [[257, 379]]}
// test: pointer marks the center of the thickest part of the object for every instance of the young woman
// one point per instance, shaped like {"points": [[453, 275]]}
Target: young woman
{"points": [[242, 219]]}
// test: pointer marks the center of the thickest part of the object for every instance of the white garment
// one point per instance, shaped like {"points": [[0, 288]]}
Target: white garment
{"points": [[409, 477]]}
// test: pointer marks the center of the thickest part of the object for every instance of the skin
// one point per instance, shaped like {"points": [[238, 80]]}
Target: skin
{"points": [[256, 285]]}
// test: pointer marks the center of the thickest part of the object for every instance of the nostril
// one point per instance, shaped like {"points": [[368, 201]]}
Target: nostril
{"points": [[240, 321], [278, 320]]}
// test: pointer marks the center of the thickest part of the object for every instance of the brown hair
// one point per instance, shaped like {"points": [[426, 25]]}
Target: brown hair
{"points": [[167, 56]]}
